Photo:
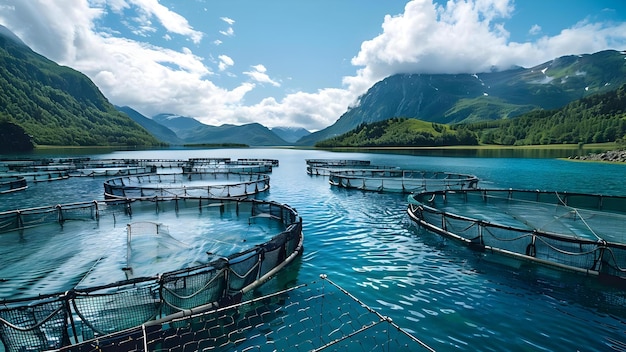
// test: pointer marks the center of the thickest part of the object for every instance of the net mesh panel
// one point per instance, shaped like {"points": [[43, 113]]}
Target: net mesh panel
{"points": [[578, 231], [615, 260], [41, 326], [315, 317], [243, 270], [273, 253], [102, 312], [38, 216], [78, 211], [145, 228], [9, 221], [187, 290]]}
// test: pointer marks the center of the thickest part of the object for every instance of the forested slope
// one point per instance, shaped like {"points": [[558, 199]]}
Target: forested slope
{"points": [[595, 119], [402, 132], [57, 105]]}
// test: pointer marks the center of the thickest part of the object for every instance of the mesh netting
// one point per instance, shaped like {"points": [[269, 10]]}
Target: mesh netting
{"points": [[41, 325], [580, 232], [105, 311], [320, 316], [186, 290]]}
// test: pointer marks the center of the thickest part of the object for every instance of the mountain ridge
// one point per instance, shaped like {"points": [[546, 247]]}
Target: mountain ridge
{"points": [[192, 131], [458, 98]]}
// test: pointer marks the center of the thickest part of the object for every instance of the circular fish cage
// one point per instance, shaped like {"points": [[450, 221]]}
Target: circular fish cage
{"points": [[43, 170], [578, 232], [323, 167], [9, 184], [403, 181], [78, 271], [192, 184], [110, 168]]}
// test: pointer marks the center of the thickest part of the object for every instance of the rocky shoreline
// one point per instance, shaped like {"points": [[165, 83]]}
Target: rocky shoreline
{"points": [[616, 156]]}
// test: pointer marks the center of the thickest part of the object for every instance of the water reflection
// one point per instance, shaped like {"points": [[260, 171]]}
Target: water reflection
{"points": [[474, 152]]}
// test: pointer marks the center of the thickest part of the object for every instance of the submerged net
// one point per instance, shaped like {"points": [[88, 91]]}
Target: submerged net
{"points": [[579, 232], [320, 316]]}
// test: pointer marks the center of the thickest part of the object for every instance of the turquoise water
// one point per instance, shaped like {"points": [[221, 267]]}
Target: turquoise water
{"points": [[448, 296]]}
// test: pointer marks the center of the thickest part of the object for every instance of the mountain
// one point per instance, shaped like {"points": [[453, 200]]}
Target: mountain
{"points": [[290, 134], [191, 131], [447, 98], [156, 129], [177, 123], [252, 134], [57, 105], [180, 130]]}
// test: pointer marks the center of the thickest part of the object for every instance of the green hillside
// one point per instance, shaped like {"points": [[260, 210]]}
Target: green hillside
{"points": [[401, 132], [57, 105], [595, 119]]}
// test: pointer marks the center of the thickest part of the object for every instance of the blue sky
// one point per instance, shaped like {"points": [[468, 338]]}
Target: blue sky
{"points": [[296, 63]]}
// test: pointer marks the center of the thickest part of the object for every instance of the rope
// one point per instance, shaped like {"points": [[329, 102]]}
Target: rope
{"points": [[45, 320], [380, 316], [578, 213], [217, 275]]}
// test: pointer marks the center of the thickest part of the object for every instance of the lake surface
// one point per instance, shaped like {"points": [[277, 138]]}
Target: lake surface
{"points": [[445, 294]]}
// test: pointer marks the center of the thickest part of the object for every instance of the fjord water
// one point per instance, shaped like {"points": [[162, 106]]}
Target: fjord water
{"points": [[445, 294]]}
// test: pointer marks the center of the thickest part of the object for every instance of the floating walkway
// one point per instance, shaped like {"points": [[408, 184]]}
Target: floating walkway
{"points": [[578, 232]]}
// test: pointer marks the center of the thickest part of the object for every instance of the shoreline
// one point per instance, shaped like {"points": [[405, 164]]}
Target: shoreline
{"points": [[613, 156]]}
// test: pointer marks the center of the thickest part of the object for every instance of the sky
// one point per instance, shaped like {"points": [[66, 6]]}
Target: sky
{"points": [[296, 63]]}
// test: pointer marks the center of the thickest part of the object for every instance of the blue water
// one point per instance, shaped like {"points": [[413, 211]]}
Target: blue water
{"points": [[448, 296]]}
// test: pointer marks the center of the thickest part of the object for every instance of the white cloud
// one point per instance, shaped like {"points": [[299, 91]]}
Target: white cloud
{"points": [[172, 21], [227, 20], [225, 62], [258, 74], [535, 29], [460, 36], [466, 37], [229, 32]]}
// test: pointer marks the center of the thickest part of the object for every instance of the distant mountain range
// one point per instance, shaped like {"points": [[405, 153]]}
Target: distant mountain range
{"points": [[460, 98], [181, 130], [192, 131], [57, 105]]}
